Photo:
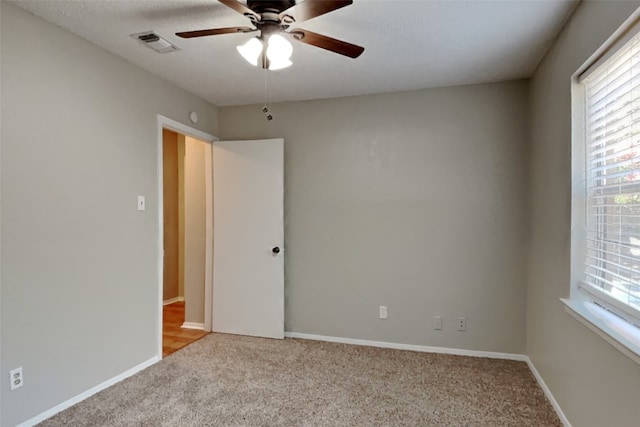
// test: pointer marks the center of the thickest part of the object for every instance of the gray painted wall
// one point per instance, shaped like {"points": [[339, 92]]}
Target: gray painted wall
{"points": [[413, 200], [595, 384], [79, 262]]}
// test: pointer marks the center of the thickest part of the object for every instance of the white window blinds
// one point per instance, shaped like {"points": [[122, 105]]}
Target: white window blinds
{"points": [[612, 178]]}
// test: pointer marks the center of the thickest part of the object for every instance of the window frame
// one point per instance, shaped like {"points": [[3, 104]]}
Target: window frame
{"points": [[601, 313]]}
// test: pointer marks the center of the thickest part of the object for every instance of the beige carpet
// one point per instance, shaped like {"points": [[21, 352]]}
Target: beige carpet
{"points": [[226, 380]]}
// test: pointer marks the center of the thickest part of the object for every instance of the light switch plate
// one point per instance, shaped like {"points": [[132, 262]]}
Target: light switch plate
{"points": [[141, 204]]}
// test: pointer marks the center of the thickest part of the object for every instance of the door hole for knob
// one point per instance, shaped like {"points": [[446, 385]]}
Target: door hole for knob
{"points": [[276, 250]]}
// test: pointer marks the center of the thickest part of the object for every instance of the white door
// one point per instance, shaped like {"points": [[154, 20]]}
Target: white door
{"points": [[248, 237]]}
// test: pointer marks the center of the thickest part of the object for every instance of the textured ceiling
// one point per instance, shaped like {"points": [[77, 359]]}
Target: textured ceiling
{"points": [[410, 44]]}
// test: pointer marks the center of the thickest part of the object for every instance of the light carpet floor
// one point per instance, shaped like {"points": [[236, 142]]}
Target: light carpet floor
{"points": [[227, 380]]}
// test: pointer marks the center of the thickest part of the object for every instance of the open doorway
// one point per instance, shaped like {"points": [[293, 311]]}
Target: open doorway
{"points": [[186, 242], [246, 178]]}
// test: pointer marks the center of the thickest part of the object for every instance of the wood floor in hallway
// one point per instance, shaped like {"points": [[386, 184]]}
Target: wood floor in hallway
{"points": [[173, 336]]}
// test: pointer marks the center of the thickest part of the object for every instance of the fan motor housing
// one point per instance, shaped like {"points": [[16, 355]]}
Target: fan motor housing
{"points": [[261, 6]]}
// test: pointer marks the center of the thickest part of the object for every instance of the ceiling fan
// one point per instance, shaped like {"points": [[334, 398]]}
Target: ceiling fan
{"points": [[273, 19]]}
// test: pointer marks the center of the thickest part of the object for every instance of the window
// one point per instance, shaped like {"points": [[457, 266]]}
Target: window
{"points": [[610, 179]]}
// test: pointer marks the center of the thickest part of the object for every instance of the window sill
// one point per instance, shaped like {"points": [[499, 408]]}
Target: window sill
{"points": [[616, 331]]}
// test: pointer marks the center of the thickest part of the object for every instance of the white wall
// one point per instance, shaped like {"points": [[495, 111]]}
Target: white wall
{"points": [[79, 262], [194, 229], [595, 384], [413, 200]]}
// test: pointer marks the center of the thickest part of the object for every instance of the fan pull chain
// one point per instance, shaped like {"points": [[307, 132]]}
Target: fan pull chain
{"points": [[267, 97]]}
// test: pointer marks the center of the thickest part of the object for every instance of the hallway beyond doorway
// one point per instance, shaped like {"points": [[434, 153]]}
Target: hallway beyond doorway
{"points": [[174, 337]]}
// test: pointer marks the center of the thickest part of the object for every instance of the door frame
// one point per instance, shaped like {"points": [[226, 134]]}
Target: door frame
{"points": [[163, 122]]}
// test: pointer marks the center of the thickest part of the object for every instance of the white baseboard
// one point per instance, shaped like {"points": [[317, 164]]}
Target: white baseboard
{"points": [[82, 396], [191, 325], [547, 392], [412, 347], [172, 300]]}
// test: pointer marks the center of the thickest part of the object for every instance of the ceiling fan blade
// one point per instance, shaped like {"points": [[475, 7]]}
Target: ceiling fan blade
{"points": [[328, 43], [308, 9], [238, 7], [214, 32]]}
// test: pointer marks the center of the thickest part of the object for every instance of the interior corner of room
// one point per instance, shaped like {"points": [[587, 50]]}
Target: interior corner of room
{"points": [[430, 220]]}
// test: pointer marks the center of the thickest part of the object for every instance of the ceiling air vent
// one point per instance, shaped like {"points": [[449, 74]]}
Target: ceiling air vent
{"points": [[155, 42]]}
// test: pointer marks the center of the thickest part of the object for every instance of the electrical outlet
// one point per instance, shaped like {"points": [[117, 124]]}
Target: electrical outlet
{"points": [[437, 323], [462, 323], [15, 378], [383, 311]]}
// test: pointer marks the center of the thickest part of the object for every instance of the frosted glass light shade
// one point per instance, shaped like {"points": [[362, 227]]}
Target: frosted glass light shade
{"points": [[279, 65], [251, 51], [279, 51]]}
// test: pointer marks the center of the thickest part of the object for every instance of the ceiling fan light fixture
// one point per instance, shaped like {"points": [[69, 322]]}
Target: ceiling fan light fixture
{"points": [[272, 18], [251, 51]]}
